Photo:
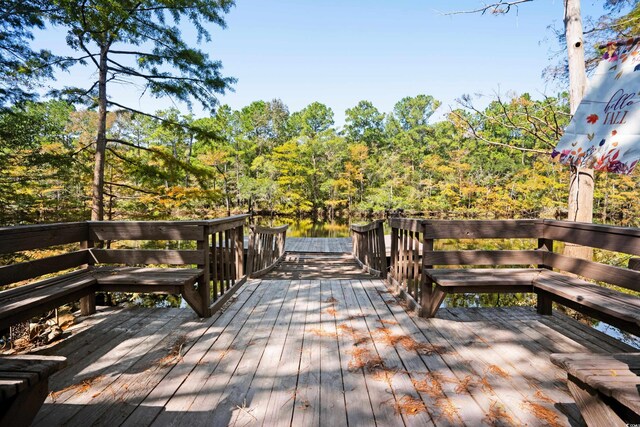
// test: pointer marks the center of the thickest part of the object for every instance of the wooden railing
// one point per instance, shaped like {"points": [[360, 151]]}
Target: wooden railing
{"points": [[406, 258], [226, 267], [369, 247], [412, 252], [218, 253], [266, 249]]}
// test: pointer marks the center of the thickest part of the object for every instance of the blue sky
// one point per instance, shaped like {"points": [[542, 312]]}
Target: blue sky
{"points": [[341, 52]]}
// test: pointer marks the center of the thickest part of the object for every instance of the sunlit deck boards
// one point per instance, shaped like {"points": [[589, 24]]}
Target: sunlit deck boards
{"points": [[318, 352]]}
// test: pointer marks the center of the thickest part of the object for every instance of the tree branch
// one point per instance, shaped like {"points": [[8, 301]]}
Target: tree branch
{"points": [[479, 137], [497, 8], [131, 188]]}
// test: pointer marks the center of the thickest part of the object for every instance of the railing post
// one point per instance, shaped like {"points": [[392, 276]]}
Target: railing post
{"points": [[382, 250], [544, 304], [281, 242], [545, 246], [394, 252], [251, 250], [88, 303], [402, 259], [427, 299], [239, 245], [204, 282]]}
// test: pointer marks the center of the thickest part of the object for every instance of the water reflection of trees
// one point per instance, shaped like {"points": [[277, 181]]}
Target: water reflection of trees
{"points": [[490, 300]]}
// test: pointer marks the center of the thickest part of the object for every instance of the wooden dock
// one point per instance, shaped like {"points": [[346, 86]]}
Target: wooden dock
{"points": [[319, 244], [317, 342]]}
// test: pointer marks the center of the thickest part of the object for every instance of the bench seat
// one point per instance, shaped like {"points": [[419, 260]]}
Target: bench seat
{"points": [[22, 303], [139, 279], [476, 280], [24, 385], [483, 279], [611, 306], [604, 386]]}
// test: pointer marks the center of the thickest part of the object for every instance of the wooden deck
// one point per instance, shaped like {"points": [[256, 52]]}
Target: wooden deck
{"points": [[315, 350]]}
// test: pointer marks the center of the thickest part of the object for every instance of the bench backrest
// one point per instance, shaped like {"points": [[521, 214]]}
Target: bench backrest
{"points": [[624, 240], [89, 234], [515, 229], [109, 231], [34, 237]]}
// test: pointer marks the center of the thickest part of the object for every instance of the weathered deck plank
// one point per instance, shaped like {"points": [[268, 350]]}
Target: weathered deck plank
{"points": [[252, 408], [361, 344], [281, 401], [398, 379], [423, 363], [112, 350], [201, 389], [306, 410], [111, 383], [285, 353], [234, 404], [333, 409], [359, 410], [207, 333]]}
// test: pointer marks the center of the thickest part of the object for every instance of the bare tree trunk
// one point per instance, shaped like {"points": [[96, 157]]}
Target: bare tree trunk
{"points": [[581, 182], [97, 200], [189, 153]]}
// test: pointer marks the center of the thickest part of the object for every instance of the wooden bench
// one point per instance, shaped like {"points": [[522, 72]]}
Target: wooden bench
{"points": [[100, 268], [24, 385], [550, 275], [559, 283], [606, 387]]}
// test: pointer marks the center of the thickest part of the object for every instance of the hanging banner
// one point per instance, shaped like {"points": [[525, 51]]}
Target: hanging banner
{"points": [[604, 133]]}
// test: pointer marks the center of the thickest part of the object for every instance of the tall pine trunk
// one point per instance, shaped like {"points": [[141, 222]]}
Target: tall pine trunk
{"points": [[581, 181], [97, 199]]}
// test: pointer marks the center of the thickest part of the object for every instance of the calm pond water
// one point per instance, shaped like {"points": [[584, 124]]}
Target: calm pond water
{"points": [[307, 227]]}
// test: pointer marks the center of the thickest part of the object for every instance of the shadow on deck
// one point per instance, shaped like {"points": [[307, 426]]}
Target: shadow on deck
{"points": [[311, 351]]}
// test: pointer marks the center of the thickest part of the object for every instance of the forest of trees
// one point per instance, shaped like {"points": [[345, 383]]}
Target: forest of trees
{"points": [[268, 160], [83, 155]]}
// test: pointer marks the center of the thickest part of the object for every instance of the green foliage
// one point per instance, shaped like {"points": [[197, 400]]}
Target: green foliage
{"points": [[263, 159], [20, 67], [39, 165], [139, 42]]}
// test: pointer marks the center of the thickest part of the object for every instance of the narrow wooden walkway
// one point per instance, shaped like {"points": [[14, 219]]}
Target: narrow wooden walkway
{"points": [[317, 351], [318, 244]]}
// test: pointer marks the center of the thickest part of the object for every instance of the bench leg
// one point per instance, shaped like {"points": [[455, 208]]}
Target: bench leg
{"points": [[543, 304], [594, 411], [432, 296], [22, 409], [195, 301], [88, 304]]}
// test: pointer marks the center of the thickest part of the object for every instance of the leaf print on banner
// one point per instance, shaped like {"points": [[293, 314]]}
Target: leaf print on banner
{"points": [[593, 119]]}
